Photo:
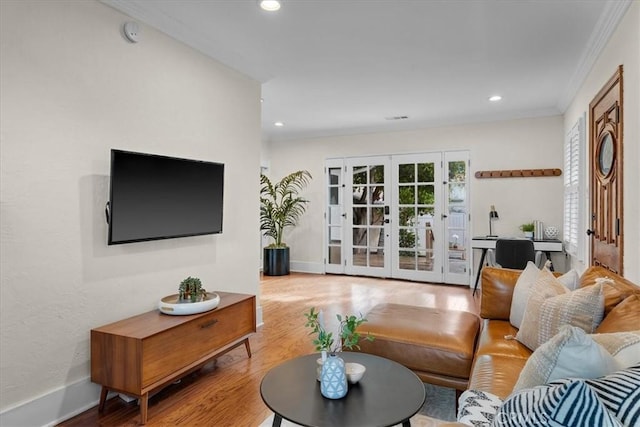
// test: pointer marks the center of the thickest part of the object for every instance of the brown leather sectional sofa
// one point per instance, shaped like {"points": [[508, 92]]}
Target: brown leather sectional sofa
{"points": [[498, 361], [458, 350]]}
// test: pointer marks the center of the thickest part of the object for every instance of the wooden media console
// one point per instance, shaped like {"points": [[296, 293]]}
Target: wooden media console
{"points": [[138, 355]]}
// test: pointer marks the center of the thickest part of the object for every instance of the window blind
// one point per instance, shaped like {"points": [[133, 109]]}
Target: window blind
{"points": [[573, 183]]}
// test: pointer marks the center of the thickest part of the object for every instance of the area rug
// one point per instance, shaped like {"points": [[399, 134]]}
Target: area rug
{"points": [[440, 405], [416, 421]]}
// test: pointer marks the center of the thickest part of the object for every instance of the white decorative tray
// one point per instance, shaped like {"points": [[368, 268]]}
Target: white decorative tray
{"points": [[170, 305]]}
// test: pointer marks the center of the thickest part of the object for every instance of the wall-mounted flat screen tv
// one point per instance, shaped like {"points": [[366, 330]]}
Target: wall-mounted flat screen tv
{"points": [[158, 197]]}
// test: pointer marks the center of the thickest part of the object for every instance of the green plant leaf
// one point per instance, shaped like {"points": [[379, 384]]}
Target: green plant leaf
{"points": [[280, 205]]}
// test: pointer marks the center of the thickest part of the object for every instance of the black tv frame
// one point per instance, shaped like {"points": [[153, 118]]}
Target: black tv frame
{"points": [[215, 172]]}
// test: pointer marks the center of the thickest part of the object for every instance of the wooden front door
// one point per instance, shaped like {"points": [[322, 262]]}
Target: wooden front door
{"points": [[605, 161]]}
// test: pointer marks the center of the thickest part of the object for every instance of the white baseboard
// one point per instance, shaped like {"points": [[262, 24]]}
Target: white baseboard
{"points": [[259, 320], [307, 267], [55, 407]]}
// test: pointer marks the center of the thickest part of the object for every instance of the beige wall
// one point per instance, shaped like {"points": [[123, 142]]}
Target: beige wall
{"points": [[623, 48], [73, 88], [515, 144]]}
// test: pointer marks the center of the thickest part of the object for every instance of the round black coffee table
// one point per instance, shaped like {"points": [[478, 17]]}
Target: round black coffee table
{"points": [[387, 395]]}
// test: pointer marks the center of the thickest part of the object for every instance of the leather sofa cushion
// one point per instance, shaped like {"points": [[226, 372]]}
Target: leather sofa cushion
{"points": [[496, 374], [624, 317], [493, 340], [497, 287], [422, 338], [614, 292]]}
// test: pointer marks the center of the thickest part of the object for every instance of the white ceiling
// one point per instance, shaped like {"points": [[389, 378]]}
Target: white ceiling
{"points": [[332, 67]]}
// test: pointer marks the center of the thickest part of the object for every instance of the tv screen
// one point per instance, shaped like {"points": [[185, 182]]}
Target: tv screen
{"points": [[158, 197]]}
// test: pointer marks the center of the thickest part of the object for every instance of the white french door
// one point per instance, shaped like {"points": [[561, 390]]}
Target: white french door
{"points": [[334, 216], [457, 217], [367, 216], [417, 215], [401, 216]]}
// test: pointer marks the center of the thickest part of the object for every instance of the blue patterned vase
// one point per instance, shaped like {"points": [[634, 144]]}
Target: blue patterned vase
{"points": [[333, 379]]}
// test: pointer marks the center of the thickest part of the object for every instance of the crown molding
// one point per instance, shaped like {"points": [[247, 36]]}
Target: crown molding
{"points": [[607, 24]]}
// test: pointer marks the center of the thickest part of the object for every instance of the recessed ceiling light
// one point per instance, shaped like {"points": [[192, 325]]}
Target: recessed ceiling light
{"points": [[270, 5], [278, 124], [495, 98]]}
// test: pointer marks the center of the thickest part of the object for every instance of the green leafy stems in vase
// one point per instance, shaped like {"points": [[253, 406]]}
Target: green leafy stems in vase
{"points": [[191, 290], [325, 341]]}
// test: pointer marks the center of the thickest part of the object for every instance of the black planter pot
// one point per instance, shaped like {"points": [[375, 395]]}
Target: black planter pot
{"points": [[275, 261]]}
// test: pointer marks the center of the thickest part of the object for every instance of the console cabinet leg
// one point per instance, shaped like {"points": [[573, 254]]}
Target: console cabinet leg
{"points": [[103, 398], [248, 347], [144, 404]]}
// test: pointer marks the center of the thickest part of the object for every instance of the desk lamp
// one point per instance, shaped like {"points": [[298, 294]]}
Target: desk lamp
{"points": [[493, 214]]}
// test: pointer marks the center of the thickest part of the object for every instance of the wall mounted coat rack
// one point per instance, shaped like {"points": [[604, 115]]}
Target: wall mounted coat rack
{"points": [[518, 173]]}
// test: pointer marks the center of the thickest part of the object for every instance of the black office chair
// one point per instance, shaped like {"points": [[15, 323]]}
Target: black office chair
{"points": [[513, 253]]}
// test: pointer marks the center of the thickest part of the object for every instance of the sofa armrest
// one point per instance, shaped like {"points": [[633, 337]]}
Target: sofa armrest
{"points": [[497, 292]]}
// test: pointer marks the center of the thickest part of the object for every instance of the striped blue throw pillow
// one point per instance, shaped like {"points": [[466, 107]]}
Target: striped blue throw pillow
{"points": [[610, 400], [570, 404], [620, 393]]}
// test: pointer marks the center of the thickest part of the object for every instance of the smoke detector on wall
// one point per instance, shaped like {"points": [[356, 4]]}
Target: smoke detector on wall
{"points": [[131, 31]]}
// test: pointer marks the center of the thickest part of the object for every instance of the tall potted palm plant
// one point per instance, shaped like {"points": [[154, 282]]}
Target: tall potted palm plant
{"points": [[280, 207]]}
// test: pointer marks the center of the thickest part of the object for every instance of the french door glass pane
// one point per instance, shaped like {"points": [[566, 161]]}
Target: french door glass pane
{"points": [[458, 171], [457, 192], [426, 194], [359, 236], [334, 176], [406, 173], [425, 172], [377, 195], [377, 216], [335, 256], [359, 216], [334, 195], [407, 195], [359, 174], [359, 195], [376, 175], [359, 257]]}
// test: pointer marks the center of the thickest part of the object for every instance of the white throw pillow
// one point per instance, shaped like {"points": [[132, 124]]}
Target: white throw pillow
{"points": [[521, 293], [570, 279], [569, 354]]}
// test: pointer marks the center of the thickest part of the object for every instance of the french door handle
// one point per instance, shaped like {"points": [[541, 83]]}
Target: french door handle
{"points": [[444, 216], [590, 232]]}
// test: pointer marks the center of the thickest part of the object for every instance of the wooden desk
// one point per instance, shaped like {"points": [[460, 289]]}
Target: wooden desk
{"points": [[138, 355], [485, 243]]}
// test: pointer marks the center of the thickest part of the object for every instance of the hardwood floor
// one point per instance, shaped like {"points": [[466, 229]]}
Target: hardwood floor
{"points": [[227, 393]]}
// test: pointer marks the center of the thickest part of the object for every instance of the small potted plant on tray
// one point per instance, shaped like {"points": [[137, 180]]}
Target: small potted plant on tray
{"points": [[191, 290]]}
